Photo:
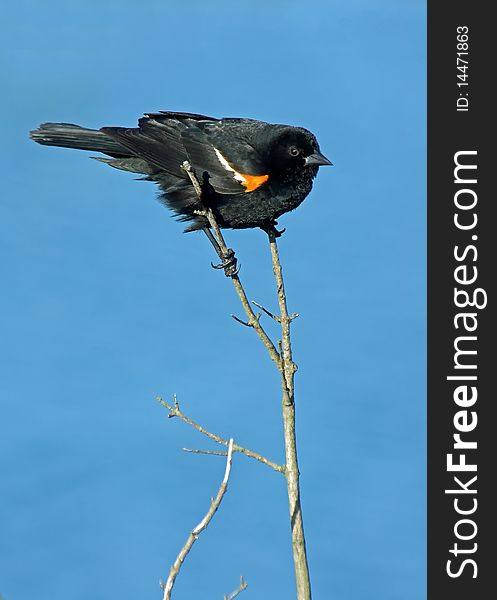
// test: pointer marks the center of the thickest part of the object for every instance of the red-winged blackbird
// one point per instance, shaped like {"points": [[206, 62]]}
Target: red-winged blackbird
{"points": [[250, 172]]}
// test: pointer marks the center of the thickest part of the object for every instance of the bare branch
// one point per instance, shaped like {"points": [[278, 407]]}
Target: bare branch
{"points": [[288, 408], [287, 368], [192, 538], [243, 585], [175, 411]]}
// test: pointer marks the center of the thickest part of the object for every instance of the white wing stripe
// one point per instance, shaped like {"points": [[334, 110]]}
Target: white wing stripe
{"points": [[228, 167]]}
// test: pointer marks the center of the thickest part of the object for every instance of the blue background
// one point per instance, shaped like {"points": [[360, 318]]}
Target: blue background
{"points": [[105, 303]]}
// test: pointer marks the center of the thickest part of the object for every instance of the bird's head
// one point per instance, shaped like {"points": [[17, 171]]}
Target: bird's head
{"points": [[294, 149]]}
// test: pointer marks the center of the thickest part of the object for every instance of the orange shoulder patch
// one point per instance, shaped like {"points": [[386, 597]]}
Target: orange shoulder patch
{"points": [[252, 182], [249, 182]]}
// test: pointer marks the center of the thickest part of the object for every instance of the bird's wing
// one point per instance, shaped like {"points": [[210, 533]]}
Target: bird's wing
{"points": [[166, 140]]}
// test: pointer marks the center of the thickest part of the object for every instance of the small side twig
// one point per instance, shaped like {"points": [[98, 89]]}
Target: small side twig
{"points": [[198, 451], [246, 323], [243, 585], [241, 321], [268, 313], [192, 538], [175, 411]]}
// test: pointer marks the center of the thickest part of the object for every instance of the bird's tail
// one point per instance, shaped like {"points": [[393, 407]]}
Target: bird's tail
{"points": [[67, 135]]}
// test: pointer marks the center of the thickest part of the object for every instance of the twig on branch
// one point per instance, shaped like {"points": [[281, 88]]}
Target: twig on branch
{"points": [[243, 585], [192, 538], [175, 411], [196, 451], [268, 313], [244, 322]]}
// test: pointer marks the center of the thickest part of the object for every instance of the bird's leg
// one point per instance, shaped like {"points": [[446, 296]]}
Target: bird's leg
{"points": [[270, 227], [227, 255]]}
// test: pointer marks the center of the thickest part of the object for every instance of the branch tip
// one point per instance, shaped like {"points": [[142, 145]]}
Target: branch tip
{"points": [[241, 321], [196, 451], [175, 568], [268, 313], [243, 585]]}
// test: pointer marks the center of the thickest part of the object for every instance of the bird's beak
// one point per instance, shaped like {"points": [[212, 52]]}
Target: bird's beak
{"points": [[317, 159]]}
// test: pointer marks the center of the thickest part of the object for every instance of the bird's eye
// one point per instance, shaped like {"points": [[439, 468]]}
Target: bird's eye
{"points": [[294, 151]]}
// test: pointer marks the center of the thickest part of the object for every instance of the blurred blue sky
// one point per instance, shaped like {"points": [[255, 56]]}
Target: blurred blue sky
{"points": [[105, 303]]}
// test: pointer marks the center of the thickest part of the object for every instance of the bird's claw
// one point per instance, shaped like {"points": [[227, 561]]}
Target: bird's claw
{"points": [[229, 263], [270, 228]]}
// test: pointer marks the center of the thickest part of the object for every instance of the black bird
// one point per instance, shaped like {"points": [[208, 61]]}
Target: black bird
{"points": [[250, 172]]}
